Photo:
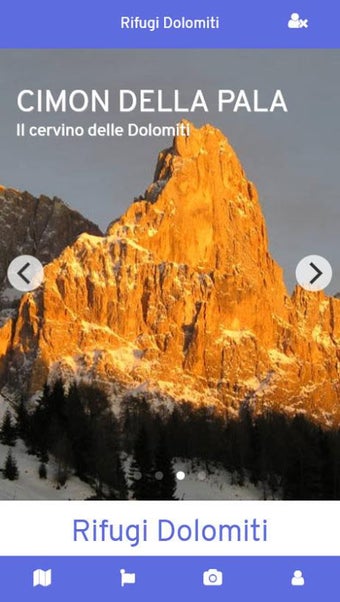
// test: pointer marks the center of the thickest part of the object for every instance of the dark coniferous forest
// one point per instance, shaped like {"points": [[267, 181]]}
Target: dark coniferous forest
{"points": [[295, 458]]}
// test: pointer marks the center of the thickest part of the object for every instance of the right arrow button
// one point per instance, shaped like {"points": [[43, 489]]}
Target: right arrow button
{"points": [[314, 273], [318, 272]]}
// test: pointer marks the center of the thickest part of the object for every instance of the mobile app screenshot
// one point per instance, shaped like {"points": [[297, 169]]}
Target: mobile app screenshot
{"points": [[170, 302]]}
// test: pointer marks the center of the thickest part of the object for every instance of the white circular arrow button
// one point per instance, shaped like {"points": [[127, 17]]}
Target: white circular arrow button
{"points": [[25, 273], [314, 273]]}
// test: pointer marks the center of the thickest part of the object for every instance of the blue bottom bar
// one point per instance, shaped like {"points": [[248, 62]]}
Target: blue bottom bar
{"points": [[244, 579]]}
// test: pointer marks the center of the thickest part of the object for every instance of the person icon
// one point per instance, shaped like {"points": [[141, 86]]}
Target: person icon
{"points": [[294, 21], [297, 578]]}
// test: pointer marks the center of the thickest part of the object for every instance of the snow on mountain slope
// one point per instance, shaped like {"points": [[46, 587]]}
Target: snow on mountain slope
{"points": [[215, 483], [197, 484], [30, 487]]}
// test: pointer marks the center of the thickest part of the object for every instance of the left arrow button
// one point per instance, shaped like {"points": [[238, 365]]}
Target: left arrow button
{"points": [[21, 272], [25, 273]]}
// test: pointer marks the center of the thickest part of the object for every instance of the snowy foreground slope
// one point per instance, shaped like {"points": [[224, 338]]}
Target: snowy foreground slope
{"points": [[217, 485], [197, 484], [30, 487], [200, 482]]}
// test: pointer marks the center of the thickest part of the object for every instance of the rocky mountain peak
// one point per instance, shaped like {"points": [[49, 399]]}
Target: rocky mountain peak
{"points": [[37, 226], [199, 189], [183, 298]]}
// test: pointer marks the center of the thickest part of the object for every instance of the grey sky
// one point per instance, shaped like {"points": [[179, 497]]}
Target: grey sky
{"points": [[292, 158]]}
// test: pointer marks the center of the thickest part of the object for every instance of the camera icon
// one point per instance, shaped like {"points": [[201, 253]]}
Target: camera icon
{"points": [[212, 577]]}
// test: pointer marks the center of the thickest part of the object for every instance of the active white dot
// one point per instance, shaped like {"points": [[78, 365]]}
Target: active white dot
{"points": [[180, 475]]}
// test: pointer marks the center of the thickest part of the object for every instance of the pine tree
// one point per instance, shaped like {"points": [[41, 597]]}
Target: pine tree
{"points": [[141, 469], [80, 429], [8, 434], [42, 471], [107, 467], [118, 487], [43, 456], [23, 422], [10, 470], [164, 474]]}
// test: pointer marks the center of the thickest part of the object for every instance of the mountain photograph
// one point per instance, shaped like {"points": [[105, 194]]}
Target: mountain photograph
{"points": [[169, 353], [170, 336]]}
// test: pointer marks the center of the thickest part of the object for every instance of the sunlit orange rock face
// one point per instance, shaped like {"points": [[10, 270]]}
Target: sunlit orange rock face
{"points": [[182, 296]]}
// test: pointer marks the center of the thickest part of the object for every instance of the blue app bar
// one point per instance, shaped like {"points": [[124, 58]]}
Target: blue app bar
{"points": [[216, 24], [170, 578]]}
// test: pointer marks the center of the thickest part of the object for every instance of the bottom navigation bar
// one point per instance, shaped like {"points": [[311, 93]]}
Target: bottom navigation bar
{"points": [[169, 578]]}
